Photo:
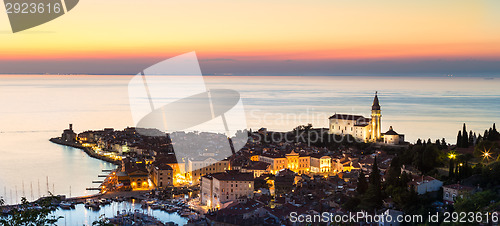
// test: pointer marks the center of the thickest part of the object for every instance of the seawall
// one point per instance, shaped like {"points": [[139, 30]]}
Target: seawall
{"points": [[85, 149]]}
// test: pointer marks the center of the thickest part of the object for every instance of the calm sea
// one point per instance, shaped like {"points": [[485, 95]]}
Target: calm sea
{"points": [[35, 108]]}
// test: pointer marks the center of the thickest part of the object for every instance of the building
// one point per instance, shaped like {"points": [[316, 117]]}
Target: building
{"points": [[202, 165], [337, 166], [218, 190], [251, 211], [68, 134], [136, 173], [284, 181], [276, 161], [162, 175], [321, 164], [257, 169], [424, 184], [452, 191], [179, 168], [393, 220], [138, 178], [361, 128], [292, 161], [391, 137]]}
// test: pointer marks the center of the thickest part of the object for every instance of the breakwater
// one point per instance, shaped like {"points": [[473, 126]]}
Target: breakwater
{"points": [[87, 150]]}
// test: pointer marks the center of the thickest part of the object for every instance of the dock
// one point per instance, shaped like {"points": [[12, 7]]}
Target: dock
{"points": [[92, 189]]}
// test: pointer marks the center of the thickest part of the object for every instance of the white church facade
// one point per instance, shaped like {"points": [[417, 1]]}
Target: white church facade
{"points": [[362, 128]]}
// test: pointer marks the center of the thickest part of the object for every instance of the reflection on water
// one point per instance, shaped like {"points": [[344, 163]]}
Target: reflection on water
{"points": [[30, 159], [83, 216]]}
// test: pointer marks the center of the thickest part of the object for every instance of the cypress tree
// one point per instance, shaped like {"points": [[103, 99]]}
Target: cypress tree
{"points": [[485, 136], [450, 169], [375, 174], [471, 138], [465, 138], [459, 139], [496, 135], [362, 184], [372, 198]]}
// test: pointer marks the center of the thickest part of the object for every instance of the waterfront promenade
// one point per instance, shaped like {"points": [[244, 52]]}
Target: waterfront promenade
{"points": [[87, 150]]}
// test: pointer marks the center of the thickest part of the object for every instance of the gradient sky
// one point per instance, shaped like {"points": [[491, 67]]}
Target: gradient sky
{"points": [[252, 37]]}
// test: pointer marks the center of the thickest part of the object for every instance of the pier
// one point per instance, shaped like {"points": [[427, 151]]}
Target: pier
{"points": [[92, 189]]}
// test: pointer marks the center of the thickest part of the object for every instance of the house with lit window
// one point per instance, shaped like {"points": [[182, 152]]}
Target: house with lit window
{"points": [[293, 161], [162, 175], [138, 177], [453, 191], [218, 190], [257, 168], [203, 165], [321, 164]]}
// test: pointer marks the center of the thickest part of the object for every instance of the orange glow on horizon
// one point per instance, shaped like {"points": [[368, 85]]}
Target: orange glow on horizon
{"points": [[449, 51], [263, 30]]}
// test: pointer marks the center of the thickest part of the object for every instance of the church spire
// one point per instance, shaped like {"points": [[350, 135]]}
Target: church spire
{"points": [[376, 105]]}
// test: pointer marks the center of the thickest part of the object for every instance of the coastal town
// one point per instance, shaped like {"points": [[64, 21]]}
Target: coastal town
{"points": [[349, 167]]}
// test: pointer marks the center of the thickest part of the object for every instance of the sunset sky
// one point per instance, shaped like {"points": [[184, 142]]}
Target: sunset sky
{"points": [[276, 37]]}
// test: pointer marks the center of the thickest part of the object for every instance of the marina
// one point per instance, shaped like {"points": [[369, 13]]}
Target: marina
{"points": [[83, 214]]}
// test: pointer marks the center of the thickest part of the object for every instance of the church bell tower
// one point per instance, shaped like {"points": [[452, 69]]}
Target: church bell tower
{"points": [[376, 122]]}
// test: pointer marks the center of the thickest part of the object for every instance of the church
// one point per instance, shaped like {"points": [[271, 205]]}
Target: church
{"points": [[365, 129]]}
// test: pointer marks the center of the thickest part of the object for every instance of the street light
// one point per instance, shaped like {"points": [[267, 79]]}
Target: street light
{"points": [[486, 155]]}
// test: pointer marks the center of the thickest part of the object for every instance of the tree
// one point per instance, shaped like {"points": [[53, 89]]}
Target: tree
{"points": [[394, 172], [494, 133], [362, 184], [476, 202], [465, 138], [471, 138], [429, 158], [450, 169], [443, 142], [26, 215], [372, 199], [459, 139]]}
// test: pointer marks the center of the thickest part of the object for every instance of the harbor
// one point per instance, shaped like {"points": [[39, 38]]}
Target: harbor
{"points": [[135, 206], [117, 211]]}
